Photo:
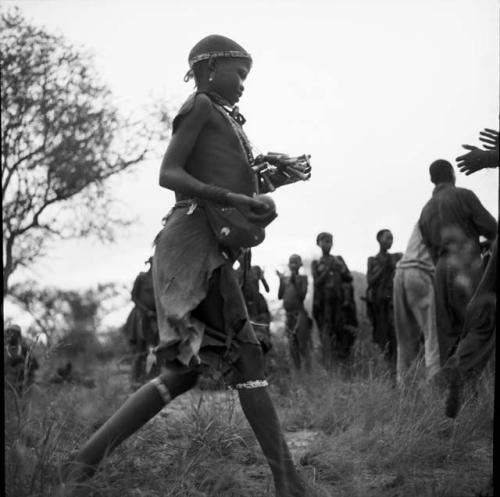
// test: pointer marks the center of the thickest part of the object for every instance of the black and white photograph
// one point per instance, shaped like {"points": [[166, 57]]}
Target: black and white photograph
{"points": [[250, 247]]}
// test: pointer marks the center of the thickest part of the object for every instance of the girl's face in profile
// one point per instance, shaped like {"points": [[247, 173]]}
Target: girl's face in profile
{"points": [[228, 78]]}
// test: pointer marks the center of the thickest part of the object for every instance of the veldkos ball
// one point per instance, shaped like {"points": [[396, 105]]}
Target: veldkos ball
{"points": [[262, 216]]}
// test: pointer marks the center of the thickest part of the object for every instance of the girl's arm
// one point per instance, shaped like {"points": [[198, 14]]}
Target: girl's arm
{"points": [[281, 289], [345, 273], [173, 174]]}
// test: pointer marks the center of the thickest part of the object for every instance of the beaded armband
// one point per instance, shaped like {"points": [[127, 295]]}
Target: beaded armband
{"points": [[162, 390], [251, 384]]}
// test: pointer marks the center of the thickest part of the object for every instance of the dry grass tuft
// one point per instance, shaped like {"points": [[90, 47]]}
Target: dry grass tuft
{"points": [[351, 431]]}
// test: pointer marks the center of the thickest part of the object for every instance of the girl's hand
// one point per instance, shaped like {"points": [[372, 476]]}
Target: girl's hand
{"points": [[259, 210], [244, 202]]}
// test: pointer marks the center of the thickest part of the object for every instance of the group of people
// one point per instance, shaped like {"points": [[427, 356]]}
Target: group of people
{"points": [[334, 307], [422, 296], [201, 313], [414, 300], [334, 310]]}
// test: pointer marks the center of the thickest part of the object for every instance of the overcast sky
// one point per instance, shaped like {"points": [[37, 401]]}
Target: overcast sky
{"points": [[374, 90]]}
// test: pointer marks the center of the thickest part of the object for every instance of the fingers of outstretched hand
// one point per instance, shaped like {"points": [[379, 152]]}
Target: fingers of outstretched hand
{"points": [[490, 132], [489, 137], [468, 155], [490, 147], [470, 147], [467, 169]]}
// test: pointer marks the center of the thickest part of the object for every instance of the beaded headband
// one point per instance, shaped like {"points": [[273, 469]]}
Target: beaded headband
{"points": [[212, 54], [218, 53]]}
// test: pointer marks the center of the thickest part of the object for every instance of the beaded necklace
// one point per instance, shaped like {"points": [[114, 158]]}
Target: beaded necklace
{"points": [[236, 121]]}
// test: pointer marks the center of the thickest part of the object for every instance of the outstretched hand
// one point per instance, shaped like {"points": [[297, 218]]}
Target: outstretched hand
{"points": [[490, 138], [245, 203], [476, 159]]}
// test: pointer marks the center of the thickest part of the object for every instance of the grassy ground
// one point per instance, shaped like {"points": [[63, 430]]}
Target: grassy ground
{"points": [[351, 432]]}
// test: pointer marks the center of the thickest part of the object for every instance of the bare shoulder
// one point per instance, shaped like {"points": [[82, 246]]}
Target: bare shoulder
{"points": [[202, 103], [196, 108], [201, 107]]}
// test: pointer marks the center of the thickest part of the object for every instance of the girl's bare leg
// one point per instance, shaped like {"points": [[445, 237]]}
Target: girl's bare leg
{"points": [[139, 408], [260, 413]]}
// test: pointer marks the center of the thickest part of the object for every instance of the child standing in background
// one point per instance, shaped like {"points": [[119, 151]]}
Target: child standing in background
{"points": [[380, 277], [333, 303], [292, 291]]}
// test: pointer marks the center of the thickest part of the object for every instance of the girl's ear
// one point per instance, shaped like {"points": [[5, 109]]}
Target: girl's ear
{"points": [[212, 65], [211, 73]]}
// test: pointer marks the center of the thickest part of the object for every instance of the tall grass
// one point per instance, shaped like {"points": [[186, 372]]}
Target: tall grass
{"points": [[375, 439], [365, 437]]}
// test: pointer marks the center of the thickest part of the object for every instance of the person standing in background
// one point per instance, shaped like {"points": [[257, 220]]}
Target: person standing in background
{"points": [[292, 291], [451, 223], [379, 276], [331, 308], [415, 308]]}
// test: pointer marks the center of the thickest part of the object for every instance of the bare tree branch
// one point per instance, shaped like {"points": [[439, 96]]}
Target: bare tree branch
{"points": [[61, 136]]}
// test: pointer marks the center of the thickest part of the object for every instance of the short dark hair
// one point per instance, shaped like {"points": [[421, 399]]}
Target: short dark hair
{"points": [[441, 171], [381, 232], [295, 257], [323, 235]]}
